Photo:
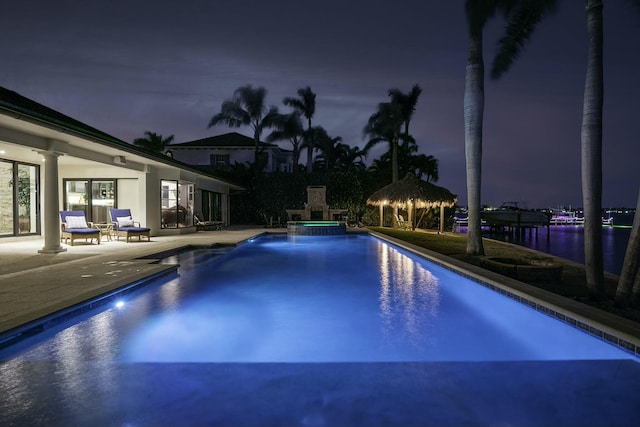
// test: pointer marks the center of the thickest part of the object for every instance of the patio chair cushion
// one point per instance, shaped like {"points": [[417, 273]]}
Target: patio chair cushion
{"points": [[87, 231], [76, 222], [124, 221]]}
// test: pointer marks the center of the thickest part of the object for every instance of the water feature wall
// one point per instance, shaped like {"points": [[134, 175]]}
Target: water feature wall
{"points": [[316, 228]]}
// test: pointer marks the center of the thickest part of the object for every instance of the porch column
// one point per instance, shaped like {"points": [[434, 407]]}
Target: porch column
{"points": [[51, 211]]}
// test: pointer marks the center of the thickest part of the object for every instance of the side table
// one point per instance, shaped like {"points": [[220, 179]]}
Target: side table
{"points": [[105, 230]]}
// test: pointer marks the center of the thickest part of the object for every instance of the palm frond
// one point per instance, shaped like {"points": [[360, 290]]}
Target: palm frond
{"points": [[519, 29]]}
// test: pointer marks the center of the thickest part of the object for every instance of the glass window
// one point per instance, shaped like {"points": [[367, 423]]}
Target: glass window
{"points": [[219, 160], [27, 199], [94, 197], [103, 194], [177, 204], [211, 206], [76, 196], [19, 207], [6, 198]]}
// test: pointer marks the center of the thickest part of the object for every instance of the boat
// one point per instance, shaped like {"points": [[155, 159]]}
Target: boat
{"points": [[565, 217], [620, 217], [511, 215]]}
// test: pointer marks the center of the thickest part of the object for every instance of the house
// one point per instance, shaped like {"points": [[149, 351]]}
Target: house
{"points": [[51, 162], [223, 151]]}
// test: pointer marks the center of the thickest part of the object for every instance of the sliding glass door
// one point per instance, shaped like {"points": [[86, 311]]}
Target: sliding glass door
{"points": [[94, 197], [177, 204], [19, 208]]}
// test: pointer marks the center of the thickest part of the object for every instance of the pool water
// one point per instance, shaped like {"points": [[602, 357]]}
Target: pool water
{"points": [[350, 298]]}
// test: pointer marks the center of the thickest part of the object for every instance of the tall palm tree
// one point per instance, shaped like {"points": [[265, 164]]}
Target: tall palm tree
{"points": [[407, 102], [289, 127], [592, 152], [153, 141], [522, 16], [306, 106], [247, 108], [384, 126], [628, 291], [395, 115]]}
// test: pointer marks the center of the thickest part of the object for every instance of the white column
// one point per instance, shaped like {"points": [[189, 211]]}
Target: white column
{"points": [[381, 214], [51, 210]]}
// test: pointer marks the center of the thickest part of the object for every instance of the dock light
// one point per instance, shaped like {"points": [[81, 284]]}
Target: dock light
{"points": [[119, 304]]}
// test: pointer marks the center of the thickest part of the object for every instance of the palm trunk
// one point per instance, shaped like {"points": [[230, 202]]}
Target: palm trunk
{"points": [[309, 148], [592, 153], [256, 146], [627, 293], [296, 157], [394, 158], [473, 116]]}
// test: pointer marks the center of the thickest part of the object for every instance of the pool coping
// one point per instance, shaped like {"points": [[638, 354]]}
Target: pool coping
{"points": [[616, 330]]}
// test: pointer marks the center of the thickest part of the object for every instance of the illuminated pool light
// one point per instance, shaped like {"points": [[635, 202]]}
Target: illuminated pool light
{"points": [[119, 304]]}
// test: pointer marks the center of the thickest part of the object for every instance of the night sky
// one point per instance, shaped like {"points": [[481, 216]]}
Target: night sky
{"points": [[126, 67]]}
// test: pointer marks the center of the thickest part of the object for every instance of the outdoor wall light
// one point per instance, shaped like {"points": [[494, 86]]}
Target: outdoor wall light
{"points": [[119, 160]]}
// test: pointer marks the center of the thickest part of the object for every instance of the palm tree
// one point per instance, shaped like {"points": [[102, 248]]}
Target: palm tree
{"points": [[247, 108], [351, 158], [592, 152], [306, 106], [331, 149], [387, 123], [384, 126], [407, 102], [523, 16], [289, 127], [153, 142], [628, 291]]}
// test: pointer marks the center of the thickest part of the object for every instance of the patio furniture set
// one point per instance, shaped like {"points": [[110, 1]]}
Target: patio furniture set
{"points": [[75, 226]]}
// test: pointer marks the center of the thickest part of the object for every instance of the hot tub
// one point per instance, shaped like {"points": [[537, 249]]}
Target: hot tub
{"points": [[316, 228]]}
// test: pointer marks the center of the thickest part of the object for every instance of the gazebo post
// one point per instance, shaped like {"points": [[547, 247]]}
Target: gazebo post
{"points": [[441, 217], [381, 214]]}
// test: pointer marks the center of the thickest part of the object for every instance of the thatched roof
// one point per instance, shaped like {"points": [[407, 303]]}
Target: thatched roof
{"points": [[422, 193]]}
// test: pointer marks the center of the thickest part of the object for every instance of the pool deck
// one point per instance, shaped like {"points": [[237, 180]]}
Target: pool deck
{"points": [[35, 286]]}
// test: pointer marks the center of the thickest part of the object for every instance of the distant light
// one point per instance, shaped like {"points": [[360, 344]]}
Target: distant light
{"points": [[3, 152], [119, 304]]}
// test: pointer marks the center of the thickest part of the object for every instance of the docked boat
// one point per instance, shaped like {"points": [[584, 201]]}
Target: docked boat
{"points": [[565, 217], [510, 215]]}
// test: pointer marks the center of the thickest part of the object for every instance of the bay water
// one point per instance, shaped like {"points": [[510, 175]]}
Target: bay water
{"points": [[567, 241]]}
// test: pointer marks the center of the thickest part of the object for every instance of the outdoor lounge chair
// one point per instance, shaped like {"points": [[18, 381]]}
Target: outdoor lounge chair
{"points": [[75, 226], [206, 225], [402, 223], [125, 226]]}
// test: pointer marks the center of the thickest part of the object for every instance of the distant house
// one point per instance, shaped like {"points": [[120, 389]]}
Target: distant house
{"points": [[222, 151], [51, 162]]}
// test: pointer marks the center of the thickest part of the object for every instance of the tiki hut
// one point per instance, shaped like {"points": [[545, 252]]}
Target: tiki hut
{"points": [[412, 193]]}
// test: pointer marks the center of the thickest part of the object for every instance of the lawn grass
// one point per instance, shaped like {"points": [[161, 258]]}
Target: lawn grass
{"points": [[573, 284]]}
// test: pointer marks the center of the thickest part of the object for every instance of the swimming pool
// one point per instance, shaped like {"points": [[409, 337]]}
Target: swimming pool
{"points": [[261, 335], [309, 299]]}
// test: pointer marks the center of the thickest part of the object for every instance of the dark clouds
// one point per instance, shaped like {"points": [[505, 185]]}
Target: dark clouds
{"points": [[130, 66]]}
